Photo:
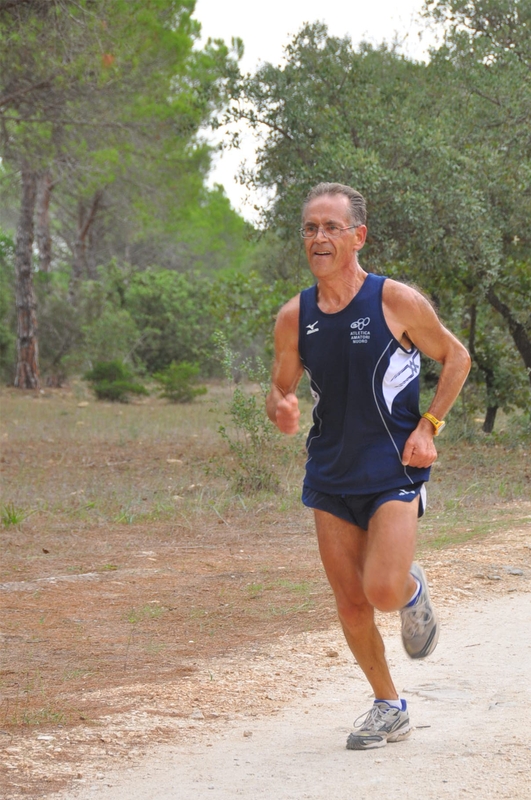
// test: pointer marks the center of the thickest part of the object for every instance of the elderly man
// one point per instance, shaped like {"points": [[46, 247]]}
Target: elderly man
{"points": [[358, 337]]}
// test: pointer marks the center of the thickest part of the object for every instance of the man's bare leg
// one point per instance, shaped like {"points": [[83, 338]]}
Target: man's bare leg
{"points": [[391, 543], [367, 570]]}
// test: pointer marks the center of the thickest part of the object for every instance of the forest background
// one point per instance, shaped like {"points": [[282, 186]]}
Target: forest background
{"points": [[113, 248]]}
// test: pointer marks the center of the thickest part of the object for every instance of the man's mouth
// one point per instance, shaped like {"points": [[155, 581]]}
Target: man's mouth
{"points": [[322, 253]]}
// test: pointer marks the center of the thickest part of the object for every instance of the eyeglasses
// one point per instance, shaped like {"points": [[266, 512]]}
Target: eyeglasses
{"points": [[330, 230]]}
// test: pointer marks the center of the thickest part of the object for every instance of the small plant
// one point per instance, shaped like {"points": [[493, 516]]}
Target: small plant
{"points": [[43, 716], [11, 515], [252, 439], [178, 382], [114, 381]]}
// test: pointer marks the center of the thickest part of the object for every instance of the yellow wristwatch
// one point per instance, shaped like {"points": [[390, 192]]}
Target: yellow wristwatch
{"points": [[438, 424]]}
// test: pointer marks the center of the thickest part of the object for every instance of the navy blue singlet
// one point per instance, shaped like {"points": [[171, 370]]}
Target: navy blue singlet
{"points": [[365, 387]]}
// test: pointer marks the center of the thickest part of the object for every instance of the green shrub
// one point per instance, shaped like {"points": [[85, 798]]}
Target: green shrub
{"points": [[60, 334], [172, 312], [114, 381], [112, 335], [253, 441], [178, 382]]}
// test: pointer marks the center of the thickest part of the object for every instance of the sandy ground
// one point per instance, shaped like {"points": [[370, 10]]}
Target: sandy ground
{"points": [[469, 704]]}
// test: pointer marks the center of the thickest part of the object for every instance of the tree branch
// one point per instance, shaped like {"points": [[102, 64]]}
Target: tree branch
{"points": [[91, 215], [250, 118], [518, 331], [8, 98], [7, 4], [91, 124]]}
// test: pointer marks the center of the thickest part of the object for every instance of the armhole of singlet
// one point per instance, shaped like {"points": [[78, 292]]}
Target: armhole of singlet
{"points": [[407, 350], [304, 298]]}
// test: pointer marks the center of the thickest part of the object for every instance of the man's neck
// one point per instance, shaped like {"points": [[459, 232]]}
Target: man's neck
{"points": [[335, 293]]}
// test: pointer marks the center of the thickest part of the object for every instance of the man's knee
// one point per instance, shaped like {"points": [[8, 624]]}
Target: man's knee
{"points": [[355, 615], [385, 593]]}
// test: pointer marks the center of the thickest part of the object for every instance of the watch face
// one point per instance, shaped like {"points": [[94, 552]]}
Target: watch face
{"points": [[440, 426]]}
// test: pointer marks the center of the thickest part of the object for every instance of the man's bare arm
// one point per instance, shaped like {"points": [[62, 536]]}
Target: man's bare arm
{"points": [[282, 405], [412, 316]]}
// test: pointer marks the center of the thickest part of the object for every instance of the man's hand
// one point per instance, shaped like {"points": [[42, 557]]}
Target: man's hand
{"points": [[419, 450], [288, 414]]}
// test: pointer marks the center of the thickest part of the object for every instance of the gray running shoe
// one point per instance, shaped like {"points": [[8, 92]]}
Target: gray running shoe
{"points": [[381, 724], [420, 624]]}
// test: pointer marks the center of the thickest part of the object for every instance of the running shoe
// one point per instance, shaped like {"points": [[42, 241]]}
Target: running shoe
{"points": [[382, 724], [420, 624]]}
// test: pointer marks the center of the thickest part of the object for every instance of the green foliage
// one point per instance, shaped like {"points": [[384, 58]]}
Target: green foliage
{"points": [[178, 382], [200, 233], [177, 313], [244, 305], [60, 329], [252, 440], [171, 312], [151, 319], [119, 93], [113, 335], [441, 152], [114, 381]]}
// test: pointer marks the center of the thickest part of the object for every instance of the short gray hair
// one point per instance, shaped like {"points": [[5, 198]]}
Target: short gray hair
{"points": [[358, 210]]}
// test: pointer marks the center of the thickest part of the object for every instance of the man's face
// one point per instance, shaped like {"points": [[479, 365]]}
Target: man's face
{"points": [[327, 255]]}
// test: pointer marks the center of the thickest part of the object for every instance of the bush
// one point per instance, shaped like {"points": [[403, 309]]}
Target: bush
{"points": [[172, 314], [60, 334], [253, 441], [178, 381], [114, 381], [113, 335]]}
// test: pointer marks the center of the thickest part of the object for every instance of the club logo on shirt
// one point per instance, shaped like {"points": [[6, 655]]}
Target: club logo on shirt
{"points": [[403, 368], [358, 334], [312, 328]]}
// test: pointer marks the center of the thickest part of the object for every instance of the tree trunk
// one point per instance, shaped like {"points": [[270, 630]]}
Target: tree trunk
{"points": [[79, 265], [492, 410], [42, 227], [92, 265], [490, 419], [519, 332], [27, 374]]}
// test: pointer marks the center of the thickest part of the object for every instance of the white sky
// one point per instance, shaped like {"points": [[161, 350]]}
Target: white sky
{"points": [[267, 27]]}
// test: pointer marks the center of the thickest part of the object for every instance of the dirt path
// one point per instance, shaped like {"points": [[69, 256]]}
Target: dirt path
{"points": [[268, 714], [469, 704]]}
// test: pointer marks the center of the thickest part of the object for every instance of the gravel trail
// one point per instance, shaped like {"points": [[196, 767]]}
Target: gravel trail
{"points": [[469, 704]]}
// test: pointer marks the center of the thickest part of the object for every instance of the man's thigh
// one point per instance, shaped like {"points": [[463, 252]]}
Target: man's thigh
{"points": [[391, 541], [354, 558], [343, 548]]}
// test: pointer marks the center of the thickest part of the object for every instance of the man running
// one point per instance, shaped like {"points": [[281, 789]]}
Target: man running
{"points": [[358, 337]]}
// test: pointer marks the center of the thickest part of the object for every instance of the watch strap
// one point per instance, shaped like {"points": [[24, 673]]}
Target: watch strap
{"points": [[438, 424]]}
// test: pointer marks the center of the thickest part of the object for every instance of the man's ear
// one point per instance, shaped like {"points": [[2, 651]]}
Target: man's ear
{"points": [[360, 237]]}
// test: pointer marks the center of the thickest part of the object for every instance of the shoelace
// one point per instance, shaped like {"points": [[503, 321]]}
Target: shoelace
{"points": [[371, 719], [417, 618]]}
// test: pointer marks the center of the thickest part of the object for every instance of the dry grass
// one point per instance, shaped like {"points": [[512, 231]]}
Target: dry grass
{"points": [[65, 459], [71, 467]]}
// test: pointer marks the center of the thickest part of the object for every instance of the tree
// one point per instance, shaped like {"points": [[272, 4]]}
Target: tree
{"points": [[388, 126], [27, 374], [93, 93], [487, 57]]}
